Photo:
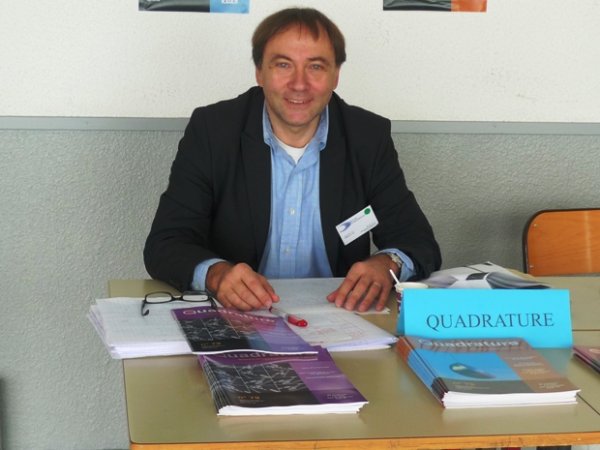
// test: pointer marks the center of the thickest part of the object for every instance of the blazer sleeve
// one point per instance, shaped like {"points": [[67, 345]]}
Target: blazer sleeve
{"points": [[402, 223], [177, 241]]}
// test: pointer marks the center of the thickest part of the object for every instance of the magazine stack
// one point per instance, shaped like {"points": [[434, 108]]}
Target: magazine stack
{"points": [[474, 373], [589, 355], [256, 365]]}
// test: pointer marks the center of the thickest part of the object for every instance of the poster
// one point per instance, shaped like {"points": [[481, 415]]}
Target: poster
{"points": [[207, 6], [436, 5]]}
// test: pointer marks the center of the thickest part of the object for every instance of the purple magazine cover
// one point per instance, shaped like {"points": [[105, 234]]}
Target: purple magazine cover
{"points": [[255, 380], [588, 354], [222, 330]]}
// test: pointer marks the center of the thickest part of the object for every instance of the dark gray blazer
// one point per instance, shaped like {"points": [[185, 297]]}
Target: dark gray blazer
{"points": [[218, 200]]}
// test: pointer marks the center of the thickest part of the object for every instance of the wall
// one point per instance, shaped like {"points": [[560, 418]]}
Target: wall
{"points": [[524, 61], [76, 207]]}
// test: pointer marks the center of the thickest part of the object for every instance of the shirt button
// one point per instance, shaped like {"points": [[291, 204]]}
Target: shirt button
{"points": [[292, 212]]}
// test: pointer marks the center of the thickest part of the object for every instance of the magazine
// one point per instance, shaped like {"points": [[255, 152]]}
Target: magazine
{"points": [[589, 355], [481, 276], [250, 383], [467, 373], [221, 330]]}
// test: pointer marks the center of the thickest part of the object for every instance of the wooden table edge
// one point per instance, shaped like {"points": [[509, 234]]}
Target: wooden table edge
{"points": [[438, 442]]}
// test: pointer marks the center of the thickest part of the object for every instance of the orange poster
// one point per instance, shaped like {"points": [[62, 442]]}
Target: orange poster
{"points": [[469, 5]]}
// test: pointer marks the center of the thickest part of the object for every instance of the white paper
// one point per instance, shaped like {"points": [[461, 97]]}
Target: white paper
{"points": [[128, 334], [329, 326], [305, 294]]}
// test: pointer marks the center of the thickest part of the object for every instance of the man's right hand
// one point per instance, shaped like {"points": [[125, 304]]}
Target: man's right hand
{"points": [[238, 286]]}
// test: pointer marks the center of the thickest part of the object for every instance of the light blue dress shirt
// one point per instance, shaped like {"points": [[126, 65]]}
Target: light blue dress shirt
{"points": [[295, 247]]}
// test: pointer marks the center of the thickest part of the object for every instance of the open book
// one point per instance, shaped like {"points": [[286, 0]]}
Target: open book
{"points": [[481, 276], [472, 373], [243, 384]]}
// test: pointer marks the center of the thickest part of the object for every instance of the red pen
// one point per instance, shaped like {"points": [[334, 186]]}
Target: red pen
{"points": [[294, 320]]}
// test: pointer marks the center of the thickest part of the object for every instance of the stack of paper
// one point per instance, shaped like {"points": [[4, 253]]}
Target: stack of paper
{"points": [[245, 384], [128, 334], [472, 373]]}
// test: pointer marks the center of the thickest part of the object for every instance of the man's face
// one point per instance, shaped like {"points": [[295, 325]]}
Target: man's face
{"points": [[298, 75]]}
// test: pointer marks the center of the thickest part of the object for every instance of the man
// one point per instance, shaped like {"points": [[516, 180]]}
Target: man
{"points": [[261, 181]]}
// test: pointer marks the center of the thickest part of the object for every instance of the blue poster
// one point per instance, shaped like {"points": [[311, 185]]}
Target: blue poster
{"points": [[230, 6]]}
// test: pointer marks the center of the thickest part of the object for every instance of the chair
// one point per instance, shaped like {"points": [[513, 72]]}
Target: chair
{"points": [[562, 242]]}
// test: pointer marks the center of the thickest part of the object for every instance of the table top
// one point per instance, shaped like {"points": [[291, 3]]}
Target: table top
{"points": [[168, 402]]}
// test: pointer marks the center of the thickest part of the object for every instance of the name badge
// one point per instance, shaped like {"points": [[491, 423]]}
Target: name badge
{"points": [[357, 225], [540, 316]]}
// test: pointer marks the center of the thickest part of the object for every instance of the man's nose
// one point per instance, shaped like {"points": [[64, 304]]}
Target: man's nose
{"points": [[299, 79]]}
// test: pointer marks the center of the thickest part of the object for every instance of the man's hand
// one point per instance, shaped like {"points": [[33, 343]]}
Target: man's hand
{"points": [[367, 282], [238, 286]]}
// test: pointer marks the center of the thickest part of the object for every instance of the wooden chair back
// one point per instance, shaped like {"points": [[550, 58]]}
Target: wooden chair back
{"points": [[562, 242]]}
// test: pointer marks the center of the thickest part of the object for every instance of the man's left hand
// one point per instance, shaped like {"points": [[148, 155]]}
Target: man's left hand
{"points": [[368, 282]]}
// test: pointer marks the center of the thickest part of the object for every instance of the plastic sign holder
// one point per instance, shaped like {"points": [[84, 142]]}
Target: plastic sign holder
{"points": [[541, 316]]}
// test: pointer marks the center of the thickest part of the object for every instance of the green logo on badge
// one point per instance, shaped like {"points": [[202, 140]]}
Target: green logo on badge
{"points": [[367, 211]]}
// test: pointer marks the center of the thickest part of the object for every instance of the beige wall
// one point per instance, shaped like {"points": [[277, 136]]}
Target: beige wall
{"points": [[75, 208]]}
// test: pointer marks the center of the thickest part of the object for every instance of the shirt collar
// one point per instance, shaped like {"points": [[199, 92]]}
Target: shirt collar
{"points": [[320, 137]]}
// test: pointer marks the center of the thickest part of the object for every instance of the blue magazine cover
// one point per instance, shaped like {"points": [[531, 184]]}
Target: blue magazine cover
{"points": [[485, 372]]}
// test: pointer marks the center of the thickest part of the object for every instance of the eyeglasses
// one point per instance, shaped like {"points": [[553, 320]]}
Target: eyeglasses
{"points": [[154, 298]]}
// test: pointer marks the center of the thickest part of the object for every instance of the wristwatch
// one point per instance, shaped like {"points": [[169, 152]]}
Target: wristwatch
{"points": [[396, 259]]}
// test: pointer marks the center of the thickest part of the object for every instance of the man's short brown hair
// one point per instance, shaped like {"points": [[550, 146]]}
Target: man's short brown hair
{"points": [[311, 19]]}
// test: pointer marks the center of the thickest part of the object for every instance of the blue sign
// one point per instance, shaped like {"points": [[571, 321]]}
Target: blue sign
{"points": [[540, 316], [230, 6]]}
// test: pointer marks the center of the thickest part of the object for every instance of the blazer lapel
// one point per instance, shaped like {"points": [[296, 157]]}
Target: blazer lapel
{"points": [[256, 157], [331, 191]]}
